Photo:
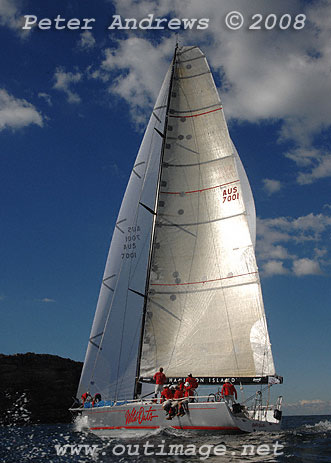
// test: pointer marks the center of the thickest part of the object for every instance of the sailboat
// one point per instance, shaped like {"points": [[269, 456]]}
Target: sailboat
{"points": [[181, 287]]}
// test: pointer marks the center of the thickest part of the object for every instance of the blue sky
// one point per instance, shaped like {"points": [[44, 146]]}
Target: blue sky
{"points": [[73, 106]]}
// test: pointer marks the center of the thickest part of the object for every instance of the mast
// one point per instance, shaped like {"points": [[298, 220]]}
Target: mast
{"points": [[137, 383]]}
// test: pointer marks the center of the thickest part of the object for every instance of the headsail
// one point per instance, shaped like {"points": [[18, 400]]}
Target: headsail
{"points": [[204, 311], [111, 357]]}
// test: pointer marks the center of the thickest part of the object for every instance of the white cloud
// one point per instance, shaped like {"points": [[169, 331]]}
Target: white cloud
{"points": [[311, 407], [271, 186], [142, 67], [310, 226], [306, 266], [16, 113], [303, 157], [322, 169], [98, 74], [274, 267], [314, 163], [63, 81], [284, 76], [10, 15], [300, 229], [47, 300], [292, 245], [320, 252], [87, 41], [46, 97], [278, 252]]}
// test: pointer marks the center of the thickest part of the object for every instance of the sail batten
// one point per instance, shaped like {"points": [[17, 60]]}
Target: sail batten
{"points": [[215, 288], [172, 111], [202, 282], [198, 191], [172, 224], [198, 163], [193, 110]]}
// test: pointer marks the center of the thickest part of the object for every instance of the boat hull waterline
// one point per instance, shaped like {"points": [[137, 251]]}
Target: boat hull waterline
{"points": [[208, 416]]}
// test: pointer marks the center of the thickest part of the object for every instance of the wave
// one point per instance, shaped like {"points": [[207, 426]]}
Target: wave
{"points": [[321, 426], [81, 423]]}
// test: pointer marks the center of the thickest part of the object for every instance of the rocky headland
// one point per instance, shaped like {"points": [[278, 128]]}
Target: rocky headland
{"points": [[37, 388]]}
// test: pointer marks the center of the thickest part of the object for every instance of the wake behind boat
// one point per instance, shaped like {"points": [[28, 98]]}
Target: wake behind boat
{"points": [[181, 287]]}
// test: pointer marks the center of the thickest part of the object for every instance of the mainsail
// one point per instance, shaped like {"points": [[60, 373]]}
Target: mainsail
{"points": [[204, 312], [181, 287]]}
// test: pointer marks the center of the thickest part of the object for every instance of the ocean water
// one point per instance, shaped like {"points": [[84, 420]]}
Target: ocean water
{"points": [[302, 439]]}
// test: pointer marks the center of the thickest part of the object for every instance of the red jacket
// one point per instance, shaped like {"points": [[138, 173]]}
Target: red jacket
{"points": [[181, 386], [167, 394], [178, 394], [86, 396], [189, 391], [159, 378], [193, 382], [229, 389]]}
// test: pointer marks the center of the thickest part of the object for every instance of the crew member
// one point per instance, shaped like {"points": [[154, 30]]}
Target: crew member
{"points": [[181, 385], [174, 410], [96, 399], [228, 391], [160, 379], [166, 394], [86, 397], [193, 381], [169, 394], [189, 391]]}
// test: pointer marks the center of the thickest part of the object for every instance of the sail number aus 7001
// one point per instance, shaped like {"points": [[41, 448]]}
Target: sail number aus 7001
{"points": [[130, 244], [230, 194]]}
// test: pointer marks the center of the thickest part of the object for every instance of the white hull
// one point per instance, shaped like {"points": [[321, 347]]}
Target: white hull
{"points": [[202, 416]]}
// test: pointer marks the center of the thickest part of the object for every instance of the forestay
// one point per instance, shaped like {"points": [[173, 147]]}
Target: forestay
{"points": [[204, 312]]}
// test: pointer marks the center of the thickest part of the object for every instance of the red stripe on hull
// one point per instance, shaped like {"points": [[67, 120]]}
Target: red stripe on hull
{"points": [[203, 408], [104, 411], [211, 428], [201, 428], [125, 427]]}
